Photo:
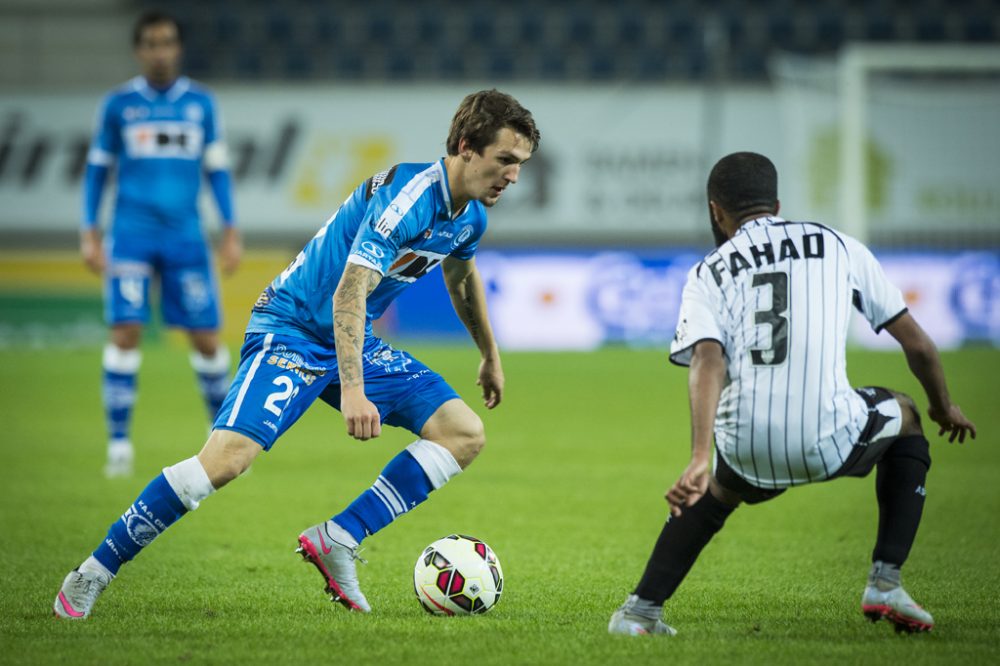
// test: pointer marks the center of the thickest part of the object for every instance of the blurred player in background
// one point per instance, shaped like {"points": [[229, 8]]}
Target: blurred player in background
{"points": [[763, 325], [310, 337], [161, 131]]}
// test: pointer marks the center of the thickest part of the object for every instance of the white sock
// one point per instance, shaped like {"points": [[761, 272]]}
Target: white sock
{"points": [[190, 481], [91, 565], [436, 461]]}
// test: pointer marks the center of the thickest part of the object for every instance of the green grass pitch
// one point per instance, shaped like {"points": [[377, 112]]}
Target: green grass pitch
{"points": [[568, 492]]}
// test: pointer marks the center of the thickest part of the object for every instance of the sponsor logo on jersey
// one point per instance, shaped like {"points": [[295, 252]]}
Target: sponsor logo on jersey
{"points": [[164, 139], [462, 236], [373, 249], [387, 223], [410, 265]]}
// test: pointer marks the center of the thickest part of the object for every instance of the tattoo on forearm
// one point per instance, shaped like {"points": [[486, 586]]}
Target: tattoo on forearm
{"points": [[349, 324], [471, 320]]}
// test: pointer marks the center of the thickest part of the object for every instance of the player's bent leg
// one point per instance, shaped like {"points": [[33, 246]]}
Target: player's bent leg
{"points": [[678, 547], [909, 414], [457, 428], [900, 485], [902, 459], [174, 492], [405, 482], [120, 364], [333, 551], [210, 360], [226, 455]]}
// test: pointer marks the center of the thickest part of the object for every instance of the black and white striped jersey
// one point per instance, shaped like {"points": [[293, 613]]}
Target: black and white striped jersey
{"points": [[778, 297]]}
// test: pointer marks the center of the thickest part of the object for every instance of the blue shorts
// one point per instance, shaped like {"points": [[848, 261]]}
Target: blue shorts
{"points": [[189, 294], [280, 376]]}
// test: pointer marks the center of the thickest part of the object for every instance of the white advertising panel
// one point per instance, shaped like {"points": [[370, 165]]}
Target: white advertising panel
{"points": [[616, 162]]}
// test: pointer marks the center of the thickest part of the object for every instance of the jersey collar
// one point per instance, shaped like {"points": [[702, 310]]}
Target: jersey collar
{"points": [[173, 93], [445, 188], [764, 220]]}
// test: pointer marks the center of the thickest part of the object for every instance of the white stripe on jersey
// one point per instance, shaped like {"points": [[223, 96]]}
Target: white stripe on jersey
{"points": [[404, 200], [778, 297], [249, 378], [99, 157], [216, 157]]}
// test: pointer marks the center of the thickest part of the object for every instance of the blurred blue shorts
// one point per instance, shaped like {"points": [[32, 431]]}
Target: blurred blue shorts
{"points": [[189, 293]]}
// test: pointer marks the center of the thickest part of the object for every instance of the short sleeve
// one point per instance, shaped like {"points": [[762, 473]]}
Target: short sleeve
{"points": [[212, 121], [386, 228], [697, 321], [879, 301], [216, 157], [106, 144]]}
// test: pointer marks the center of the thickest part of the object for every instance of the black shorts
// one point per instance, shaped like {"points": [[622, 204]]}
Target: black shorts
{"points": [[864, 455]]}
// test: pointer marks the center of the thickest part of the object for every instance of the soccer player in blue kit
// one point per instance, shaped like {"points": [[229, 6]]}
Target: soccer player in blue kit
{"points": [[161, 131], [310, 337]]}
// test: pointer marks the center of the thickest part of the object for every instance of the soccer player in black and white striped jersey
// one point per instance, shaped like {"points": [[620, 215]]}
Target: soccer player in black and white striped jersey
{"points": [[763, 326]]}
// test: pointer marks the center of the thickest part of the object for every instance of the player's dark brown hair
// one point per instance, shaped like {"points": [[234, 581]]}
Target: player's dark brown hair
{"points": [[482, 114], [153, 17]]}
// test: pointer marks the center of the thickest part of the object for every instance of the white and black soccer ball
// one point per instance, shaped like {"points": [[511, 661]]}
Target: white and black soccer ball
{"points": [[458, 575]]}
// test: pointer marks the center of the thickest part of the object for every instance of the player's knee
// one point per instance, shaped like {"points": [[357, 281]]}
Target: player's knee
{"points": [[226, 455], [466, 439], [126, 336], [914, 447], [910, 415]]}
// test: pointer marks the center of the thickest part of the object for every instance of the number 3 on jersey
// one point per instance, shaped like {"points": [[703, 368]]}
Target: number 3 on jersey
{"points": [[285, 394], [777, 351]]}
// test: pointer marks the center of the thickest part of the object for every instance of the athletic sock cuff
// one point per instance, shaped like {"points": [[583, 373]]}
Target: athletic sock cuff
{"points": [[122, 361], [436, 461], [93, 565], [189, 480], [215, 364]]}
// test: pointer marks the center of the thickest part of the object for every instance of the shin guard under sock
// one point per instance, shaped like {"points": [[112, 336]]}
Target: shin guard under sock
{"points": [[682, 539]]}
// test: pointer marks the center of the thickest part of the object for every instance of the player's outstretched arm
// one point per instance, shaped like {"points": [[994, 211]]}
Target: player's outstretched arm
{"points": [[706, 379], [925, 364], [349, 316], [468, 297]]}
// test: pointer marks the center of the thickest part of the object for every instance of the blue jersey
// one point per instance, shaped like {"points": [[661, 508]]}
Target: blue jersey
{"points": [[399, 222], [161, 140]]}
